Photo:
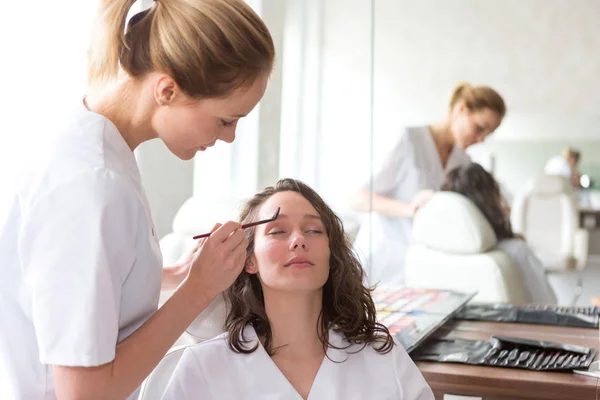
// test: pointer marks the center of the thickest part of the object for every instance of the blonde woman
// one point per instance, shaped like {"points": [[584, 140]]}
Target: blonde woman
{"points": [[565, 165], [413, 169], [82, 268]]}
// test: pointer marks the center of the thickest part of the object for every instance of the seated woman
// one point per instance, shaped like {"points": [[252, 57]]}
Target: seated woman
{"points": [[475, 183], [300, 324]]}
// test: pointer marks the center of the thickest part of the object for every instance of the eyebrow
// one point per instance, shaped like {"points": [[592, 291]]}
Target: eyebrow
{"points": [[306, 216]]}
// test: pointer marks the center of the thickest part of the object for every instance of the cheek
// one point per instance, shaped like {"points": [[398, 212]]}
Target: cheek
{"points": [[322, 248], [195, 129], [269, 255]]}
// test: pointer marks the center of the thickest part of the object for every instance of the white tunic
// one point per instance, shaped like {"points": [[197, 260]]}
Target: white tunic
{"points": [[412, 164], [211, 370], [534, 278], [81, 265], [557, 165]]}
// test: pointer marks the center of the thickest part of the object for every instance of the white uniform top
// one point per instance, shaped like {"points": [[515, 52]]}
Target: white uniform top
{"points": [[211, 370], [81, 265], [557, 165], [413, 164], [531, 268]]}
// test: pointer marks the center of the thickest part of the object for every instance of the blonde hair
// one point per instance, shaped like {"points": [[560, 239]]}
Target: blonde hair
{"points": [[570, 153], [477, 98], [209, 47]]}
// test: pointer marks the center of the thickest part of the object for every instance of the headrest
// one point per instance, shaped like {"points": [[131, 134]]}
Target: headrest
{"points": [[211, 321], [451, 223], [198, 216], [549, 185]]}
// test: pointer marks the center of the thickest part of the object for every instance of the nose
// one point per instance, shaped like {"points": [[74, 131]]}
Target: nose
{"points": [[298, 242], [229, 135]]}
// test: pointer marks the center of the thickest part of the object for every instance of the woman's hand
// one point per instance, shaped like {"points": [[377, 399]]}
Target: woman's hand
{"points": [[421, 198], [219, 259]]}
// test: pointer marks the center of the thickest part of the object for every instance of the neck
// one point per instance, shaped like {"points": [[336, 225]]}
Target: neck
{"points": [[121, 102], [442, 135], [293, 318]]}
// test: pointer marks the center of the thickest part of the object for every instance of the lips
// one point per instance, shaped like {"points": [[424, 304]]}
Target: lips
{"points": [[299, 262]]}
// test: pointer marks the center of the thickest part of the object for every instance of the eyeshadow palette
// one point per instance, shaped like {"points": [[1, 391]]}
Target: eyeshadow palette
{"points": [[412, 315]]}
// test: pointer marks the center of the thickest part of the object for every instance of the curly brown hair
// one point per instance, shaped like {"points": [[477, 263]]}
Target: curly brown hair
{"points": [[479, 186], [347, 306]]}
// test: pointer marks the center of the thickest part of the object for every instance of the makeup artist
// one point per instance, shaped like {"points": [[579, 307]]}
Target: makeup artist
{"points": [[81, 264], [412, 170]]}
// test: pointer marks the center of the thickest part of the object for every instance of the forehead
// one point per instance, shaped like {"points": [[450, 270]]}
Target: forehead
{"points": [[291, 203], [242, 100], [486, 115]]}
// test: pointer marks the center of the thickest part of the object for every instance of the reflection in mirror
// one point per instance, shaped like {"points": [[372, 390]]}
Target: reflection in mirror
{"points": [[539, 60]]}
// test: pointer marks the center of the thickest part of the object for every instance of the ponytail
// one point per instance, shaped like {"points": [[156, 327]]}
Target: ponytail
{"points": [[108, 37]]}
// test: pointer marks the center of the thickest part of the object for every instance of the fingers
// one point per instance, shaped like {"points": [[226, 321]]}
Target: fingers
{"points": [[237, 238], [222, 232], [241, 245]]}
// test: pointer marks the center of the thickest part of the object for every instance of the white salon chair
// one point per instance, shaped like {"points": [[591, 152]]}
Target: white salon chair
{"points": [[206, 326], [453, 248], [194, 217], [546, 213], [156, 383]]}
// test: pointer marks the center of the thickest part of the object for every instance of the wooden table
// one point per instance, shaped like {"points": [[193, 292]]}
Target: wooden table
{"points": [[494, 383]]}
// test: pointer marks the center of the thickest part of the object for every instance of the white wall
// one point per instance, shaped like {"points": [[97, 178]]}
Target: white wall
{"points": [[543, 56], [326, 129]]}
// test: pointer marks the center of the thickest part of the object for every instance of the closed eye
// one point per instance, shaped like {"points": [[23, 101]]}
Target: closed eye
{"points": [[225, 122]]}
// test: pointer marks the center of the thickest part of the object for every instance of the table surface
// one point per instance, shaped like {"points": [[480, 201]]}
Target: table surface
{"points": [[495, 383]]}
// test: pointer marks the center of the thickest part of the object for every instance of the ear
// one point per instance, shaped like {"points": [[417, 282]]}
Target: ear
{"points": [[251, 266], [459, 108], [165, 90]]}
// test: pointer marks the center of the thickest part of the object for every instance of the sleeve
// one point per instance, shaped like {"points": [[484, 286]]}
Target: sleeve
{"points": [[388, 173], [534, 276], [411, 383], [77, 246], [187, 381]]}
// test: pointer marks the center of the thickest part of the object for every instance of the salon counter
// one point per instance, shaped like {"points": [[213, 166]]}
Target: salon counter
{"points": [[495, 383]]}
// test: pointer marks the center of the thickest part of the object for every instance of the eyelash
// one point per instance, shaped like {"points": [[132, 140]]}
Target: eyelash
{"points": [[310, 231], [227, 123]]}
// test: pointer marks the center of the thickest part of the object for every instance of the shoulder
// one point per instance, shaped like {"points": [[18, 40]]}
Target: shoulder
{"points": [[515, 247], [85, 157], [216, 346], [92, 188], [345, 349], [414, 134], [401, 141]]}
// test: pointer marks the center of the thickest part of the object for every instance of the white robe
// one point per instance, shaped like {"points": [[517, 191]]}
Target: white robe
{"points": [[211, 370], [413, 164], [81, 262], [557, 165], [532, 271]]}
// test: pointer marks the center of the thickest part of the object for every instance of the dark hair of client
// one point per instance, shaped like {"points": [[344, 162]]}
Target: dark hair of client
{"points": [[479, 186]]}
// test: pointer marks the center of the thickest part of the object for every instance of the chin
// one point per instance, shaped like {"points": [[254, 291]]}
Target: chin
{"points": [[185, 156]]}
